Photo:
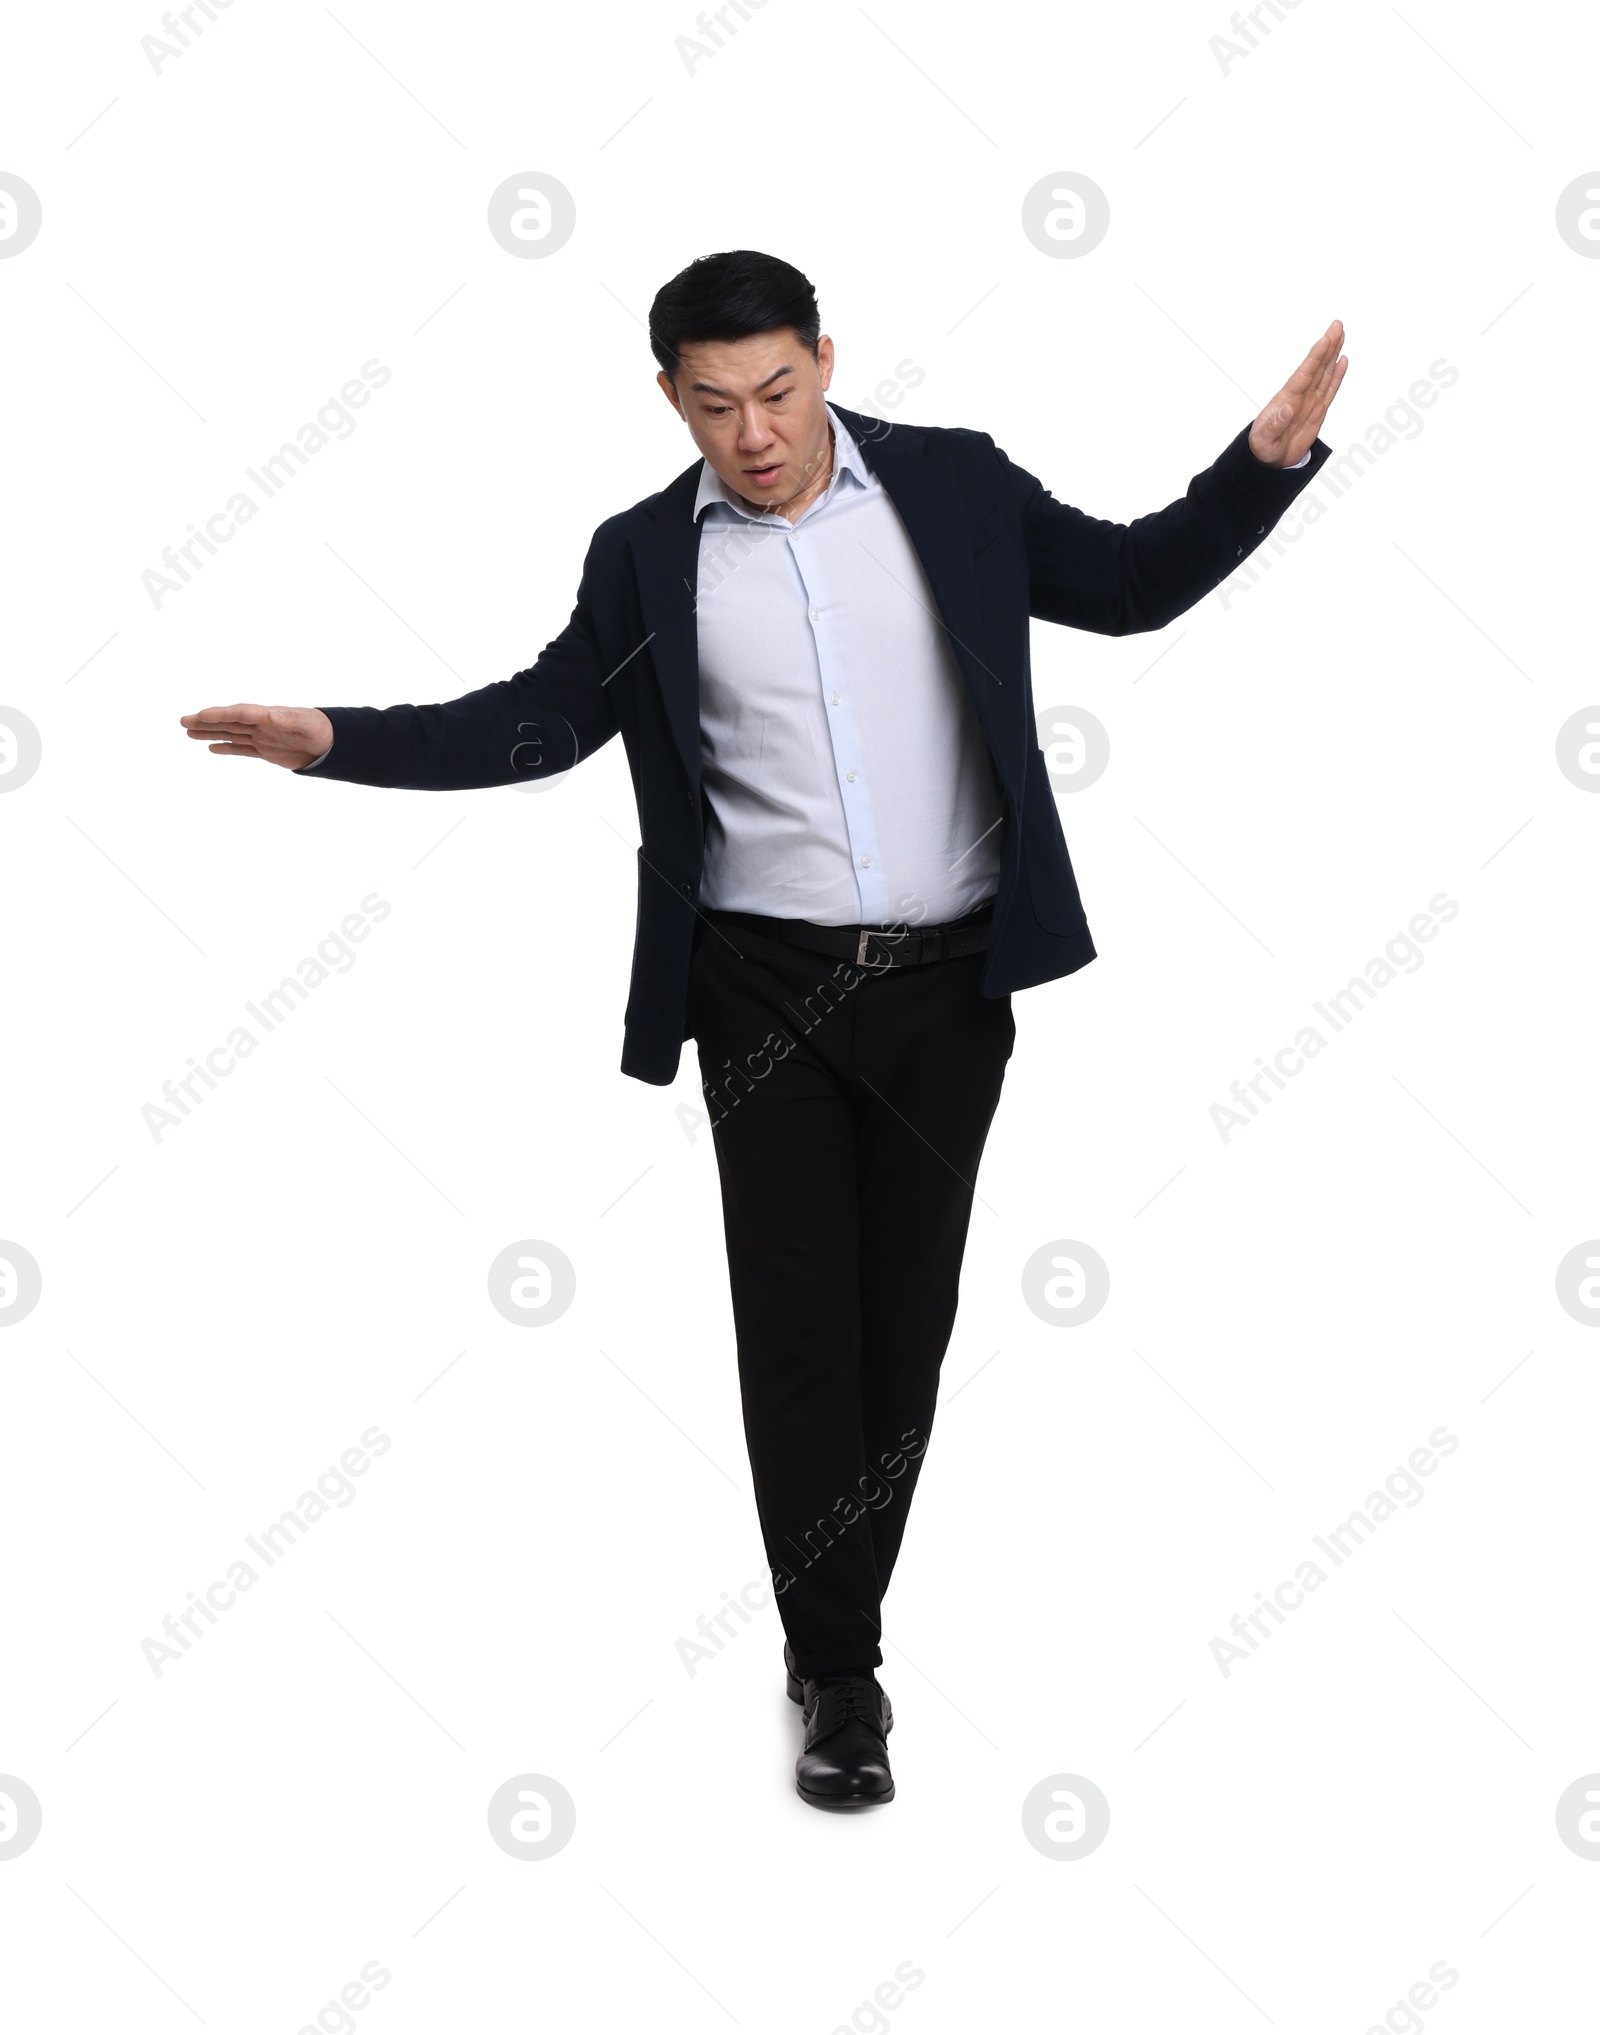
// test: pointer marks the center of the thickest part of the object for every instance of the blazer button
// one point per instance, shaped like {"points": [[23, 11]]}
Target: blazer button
{"points": [[688, 890]]}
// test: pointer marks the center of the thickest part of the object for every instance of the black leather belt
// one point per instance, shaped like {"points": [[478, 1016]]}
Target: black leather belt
{"points": [[875, 947]]}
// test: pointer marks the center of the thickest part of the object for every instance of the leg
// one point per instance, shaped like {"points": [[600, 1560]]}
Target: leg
{"points": [[770, 1045], [931, 1056]]}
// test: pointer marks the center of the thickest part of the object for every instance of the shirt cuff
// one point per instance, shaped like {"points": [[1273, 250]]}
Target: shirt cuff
{"points": [[1288, 469], [329, 750]]}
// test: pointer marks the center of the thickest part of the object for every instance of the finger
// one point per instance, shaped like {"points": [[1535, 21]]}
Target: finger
{"points": [[1308, 369], [241, 713], [1331, 368], [1323, 354], [1311, 424], [1315, 398], [1329, 387], [236, 749]]}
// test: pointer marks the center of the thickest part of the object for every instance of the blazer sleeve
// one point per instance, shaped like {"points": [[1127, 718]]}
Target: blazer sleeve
{"points": [[1119, 578], [538, 722]]}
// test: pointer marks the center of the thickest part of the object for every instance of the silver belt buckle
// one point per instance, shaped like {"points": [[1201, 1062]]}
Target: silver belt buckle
{"points": [[888, 960]]}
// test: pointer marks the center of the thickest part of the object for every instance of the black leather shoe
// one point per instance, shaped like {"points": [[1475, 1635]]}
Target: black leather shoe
{"points": [[845, 1764]]}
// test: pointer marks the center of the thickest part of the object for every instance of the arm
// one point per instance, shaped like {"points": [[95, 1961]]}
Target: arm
{"points": [[539, 722], [1119, 578]]}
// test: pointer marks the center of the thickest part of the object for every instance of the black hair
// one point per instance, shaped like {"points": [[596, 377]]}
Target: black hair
{"points": [[731, 296]]}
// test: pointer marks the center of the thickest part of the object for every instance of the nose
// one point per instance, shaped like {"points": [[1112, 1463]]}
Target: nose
{"points": [[754, 435]]}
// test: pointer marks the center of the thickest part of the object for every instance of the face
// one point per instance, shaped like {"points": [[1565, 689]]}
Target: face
{"points": [[754, 407]]}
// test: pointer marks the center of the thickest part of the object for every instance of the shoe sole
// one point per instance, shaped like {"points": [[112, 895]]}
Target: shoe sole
{"points": [[843, 1801]]}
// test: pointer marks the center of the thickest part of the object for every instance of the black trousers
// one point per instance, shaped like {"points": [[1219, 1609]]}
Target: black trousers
{"points": [[849, 1111]]}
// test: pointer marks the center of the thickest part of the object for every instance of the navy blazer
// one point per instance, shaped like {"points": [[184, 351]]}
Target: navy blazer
{"points": [[997, 548]]}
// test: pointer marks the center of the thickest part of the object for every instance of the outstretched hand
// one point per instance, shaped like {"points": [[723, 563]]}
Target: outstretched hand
{"points": [[1282, 434], [289, 736]]}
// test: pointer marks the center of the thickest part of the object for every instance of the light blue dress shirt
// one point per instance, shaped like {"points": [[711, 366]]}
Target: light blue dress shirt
{"points": [[847, 777]]}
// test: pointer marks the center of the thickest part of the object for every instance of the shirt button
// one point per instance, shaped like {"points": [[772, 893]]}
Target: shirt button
{"points": [[866, 861], [834, 697], [850, 777], [816, 614]]}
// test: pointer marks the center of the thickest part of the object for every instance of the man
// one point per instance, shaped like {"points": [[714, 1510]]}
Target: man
{"points": [[814, 644]]}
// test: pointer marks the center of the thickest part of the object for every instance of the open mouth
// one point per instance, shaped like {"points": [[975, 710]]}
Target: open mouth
{"points": [[764, 476]]}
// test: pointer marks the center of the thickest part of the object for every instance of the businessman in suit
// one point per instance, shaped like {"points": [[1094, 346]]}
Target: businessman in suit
{"points": [[814, 645]]}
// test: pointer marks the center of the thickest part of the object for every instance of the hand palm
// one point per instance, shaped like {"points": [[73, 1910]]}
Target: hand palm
{"points": [[288, 736]]}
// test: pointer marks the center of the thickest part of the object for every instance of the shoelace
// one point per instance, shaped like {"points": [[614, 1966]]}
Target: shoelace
{"points": [[838, 1702]]}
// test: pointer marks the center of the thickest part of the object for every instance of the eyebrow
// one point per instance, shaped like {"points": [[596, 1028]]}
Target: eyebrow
{"points": [[709, 389]]}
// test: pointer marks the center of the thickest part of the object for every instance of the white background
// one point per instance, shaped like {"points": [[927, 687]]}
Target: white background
{"points": [[227, 1308]]}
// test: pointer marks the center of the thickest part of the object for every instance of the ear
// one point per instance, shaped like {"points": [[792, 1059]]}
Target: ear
{"points": [[825, 360], [664, 381]]}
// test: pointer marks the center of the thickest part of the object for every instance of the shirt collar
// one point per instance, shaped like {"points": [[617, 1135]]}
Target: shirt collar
{"points": [[846, 460]]}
